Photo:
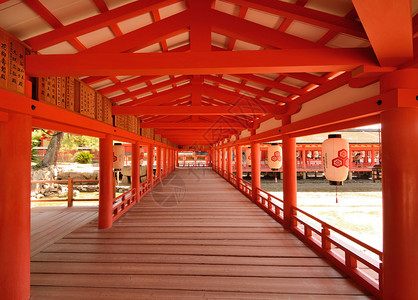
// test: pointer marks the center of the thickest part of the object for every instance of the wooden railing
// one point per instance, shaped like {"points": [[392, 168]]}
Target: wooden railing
{"points": [[123, 203], [271, 205], [70, 182], [341, 249], [364, 266]]}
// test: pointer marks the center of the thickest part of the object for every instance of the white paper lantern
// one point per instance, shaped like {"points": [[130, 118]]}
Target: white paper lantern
{"points": [[118, 156], [274, 156], [141, 156], [248, 156], [336, 159]]}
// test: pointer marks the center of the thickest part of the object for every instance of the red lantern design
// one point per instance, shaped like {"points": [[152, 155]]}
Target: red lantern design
{"points": [[274, 155], [335, 159]]}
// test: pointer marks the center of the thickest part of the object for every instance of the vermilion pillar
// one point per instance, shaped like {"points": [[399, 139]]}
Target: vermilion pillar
{"points": [[255, 169], [169, 160], [158, 165], [135, 167], [289, 179], [229, 150], [150, 164], [106, 182], [223, 152], [400, 189], [15, 177], [238, 164], [164, 163], [177, 158]]}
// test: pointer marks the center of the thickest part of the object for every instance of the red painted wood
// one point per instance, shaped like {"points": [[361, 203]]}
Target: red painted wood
{"points": [[94, 23], [198, 110], [106, 182], [266, 61], [144, 36], [253, 33], [289, 178], [147, 89], [255, 170], [125, 84], [162, 97], [399, 190], [392, 44], [305, 15], [15, 140], [150, 164]]}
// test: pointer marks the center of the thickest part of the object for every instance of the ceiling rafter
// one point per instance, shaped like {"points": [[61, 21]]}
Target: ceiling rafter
{"points": [[163, 97], [149, 88], [93, 23], [125, 84], [45, 14], [145, 36], [101, 5], [194, 125], [245, 88], [254, 33], [306, 15], [270, 83]]}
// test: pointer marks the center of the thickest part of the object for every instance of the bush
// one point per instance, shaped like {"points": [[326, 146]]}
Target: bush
{"points": [[83, 157]]}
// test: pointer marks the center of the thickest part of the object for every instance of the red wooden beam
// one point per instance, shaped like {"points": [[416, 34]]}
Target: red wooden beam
{"points": [[200, 33], [101, 5], [243, 87], [388, 24], [233, 98], [222, 62], [96, 22], [271, 83], [251, 32], [162, 97], [306, 15], [194, 125], [307, 77], [45, 14], [145, 36], [125, 84], [198, 110], [149, 88]]}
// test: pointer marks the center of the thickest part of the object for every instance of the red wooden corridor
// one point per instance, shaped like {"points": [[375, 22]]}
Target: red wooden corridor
{"points": [[194, 237], [214, 76]]}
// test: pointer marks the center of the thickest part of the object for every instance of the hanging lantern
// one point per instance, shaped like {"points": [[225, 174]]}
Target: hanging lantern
{"points": [[118, 156], [335, 155], [274, 156], [141, 155], [248, 156]]}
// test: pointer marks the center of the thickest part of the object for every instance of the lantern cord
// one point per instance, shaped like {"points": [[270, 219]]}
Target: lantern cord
{"points": [[336, 194]]}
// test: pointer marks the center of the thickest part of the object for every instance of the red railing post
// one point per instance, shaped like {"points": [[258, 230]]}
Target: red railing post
{"points": [[350, 261], [326, 244]]}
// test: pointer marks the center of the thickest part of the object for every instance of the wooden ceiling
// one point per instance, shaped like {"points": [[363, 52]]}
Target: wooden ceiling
{"points": [[199, 71]]}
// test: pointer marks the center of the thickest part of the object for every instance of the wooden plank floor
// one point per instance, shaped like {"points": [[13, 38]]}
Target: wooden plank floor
{"points": [[49, 224], [193, 237]]}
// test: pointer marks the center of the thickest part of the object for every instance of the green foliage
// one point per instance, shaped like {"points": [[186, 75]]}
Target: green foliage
{"points": [[36, 142], [72, 142], [83, 157]]}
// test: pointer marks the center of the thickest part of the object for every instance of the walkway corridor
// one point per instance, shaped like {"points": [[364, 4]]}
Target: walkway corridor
{"points": [[194, 236]]}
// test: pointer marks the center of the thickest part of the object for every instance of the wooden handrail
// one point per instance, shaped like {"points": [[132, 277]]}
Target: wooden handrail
{"points": [[70, 182], [348, 263]]}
